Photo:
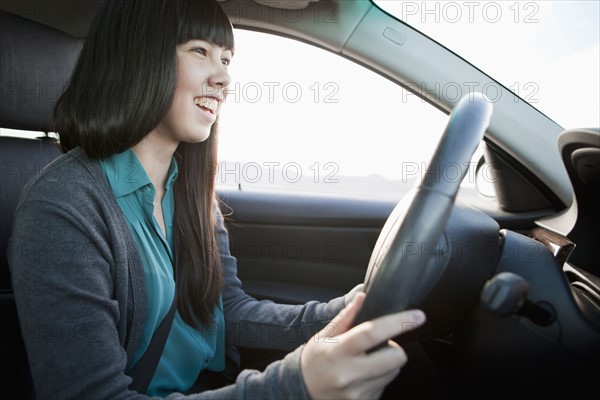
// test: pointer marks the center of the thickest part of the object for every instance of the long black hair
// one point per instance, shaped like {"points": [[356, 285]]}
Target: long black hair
{"points": [[121, 88]]}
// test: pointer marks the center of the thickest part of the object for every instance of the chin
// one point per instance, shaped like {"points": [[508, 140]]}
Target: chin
{"points": [[197, 137]]}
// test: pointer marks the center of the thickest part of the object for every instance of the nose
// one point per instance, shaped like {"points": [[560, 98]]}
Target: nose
{"points": [[219, 76]]}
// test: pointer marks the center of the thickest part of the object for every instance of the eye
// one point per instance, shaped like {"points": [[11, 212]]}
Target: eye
{"points": [[226, 61], [200, 50]]}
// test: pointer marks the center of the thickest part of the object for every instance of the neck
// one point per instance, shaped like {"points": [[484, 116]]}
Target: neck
{"points": [[155, 155]]}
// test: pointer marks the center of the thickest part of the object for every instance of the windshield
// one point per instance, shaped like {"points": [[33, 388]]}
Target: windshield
{"points": [[547, 52]]}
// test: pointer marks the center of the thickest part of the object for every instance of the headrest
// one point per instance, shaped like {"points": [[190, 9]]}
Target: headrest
{"points": [[36, 62]]}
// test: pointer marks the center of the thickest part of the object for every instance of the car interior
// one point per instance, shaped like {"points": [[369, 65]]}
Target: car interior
{"points": [[512, 293]]}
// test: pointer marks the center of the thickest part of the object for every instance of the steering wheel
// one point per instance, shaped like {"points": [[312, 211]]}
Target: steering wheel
{"points": [[400, 272]]}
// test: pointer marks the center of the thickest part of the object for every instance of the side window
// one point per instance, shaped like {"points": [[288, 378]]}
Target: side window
{"points": [[299, 118]]}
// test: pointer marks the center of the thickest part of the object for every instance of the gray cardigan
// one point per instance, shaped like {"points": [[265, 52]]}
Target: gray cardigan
{"points": [[81, 295]]}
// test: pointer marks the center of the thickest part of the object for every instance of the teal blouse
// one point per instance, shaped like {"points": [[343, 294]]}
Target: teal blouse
{"points": [[188, 351]]}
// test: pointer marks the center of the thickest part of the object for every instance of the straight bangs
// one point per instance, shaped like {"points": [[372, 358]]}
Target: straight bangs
{"points": [[205, 20]]}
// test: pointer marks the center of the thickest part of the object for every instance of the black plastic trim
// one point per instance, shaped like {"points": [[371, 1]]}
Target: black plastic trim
{"points": [[517, 188]]}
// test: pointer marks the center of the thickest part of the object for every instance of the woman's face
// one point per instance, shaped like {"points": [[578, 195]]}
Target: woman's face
{"points": [[202, 80]]}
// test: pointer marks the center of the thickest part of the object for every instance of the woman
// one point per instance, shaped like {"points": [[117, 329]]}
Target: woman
{"points": [[130, 223]]}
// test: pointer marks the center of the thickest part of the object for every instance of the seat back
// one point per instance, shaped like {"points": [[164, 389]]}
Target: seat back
{"points": [[21, 160], [35, 66]]}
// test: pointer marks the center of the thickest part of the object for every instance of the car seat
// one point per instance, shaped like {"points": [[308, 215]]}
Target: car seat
{"points": [[35, 66]]}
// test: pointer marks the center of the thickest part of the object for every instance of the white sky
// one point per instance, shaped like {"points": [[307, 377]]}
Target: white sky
{"points": [[322, 109]]}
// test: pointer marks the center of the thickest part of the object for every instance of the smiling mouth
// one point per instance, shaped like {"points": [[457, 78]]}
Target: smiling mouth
{"points": [[207, 104]]}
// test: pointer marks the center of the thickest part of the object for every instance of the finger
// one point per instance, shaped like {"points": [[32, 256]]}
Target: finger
{"points": [[358, 288], [381, 362], [343, 321], [352, 293], [369, 334]]}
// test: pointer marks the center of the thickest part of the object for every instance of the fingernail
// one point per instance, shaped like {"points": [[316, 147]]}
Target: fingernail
{"points": [[417, 316]]}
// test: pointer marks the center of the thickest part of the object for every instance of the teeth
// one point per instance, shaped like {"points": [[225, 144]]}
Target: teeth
{"points": [[207, 102]]}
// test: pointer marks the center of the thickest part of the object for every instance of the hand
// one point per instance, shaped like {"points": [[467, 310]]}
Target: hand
{"points": [[335, 363], [352, 293]]}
